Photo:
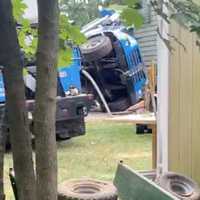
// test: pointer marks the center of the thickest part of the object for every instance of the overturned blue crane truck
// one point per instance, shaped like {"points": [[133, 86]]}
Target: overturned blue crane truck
{"points": [[112, 58], [109, 66]]}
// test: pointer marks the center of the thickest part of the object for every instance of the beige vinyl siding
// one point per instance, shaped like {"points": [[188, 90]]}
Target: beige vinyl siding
{"points": [[184, 104]]}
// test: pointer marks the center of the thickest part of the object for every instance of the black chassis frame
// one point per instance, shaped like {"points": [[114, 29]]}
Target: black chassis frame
{"points": [[70, 116]]}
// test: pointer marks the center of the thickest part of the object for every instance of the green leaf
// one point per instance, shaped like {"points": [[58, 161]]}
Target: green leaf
{"points": [[70, 32], [64, 57], [28, 36], [132, 3], [18, 9], [132, 17], [79, 11], [186, 13]]}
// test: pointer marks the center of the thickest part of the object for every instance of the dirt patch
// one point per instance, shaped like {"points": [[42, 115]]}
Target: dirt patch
{"points": [[133, 155], [97, 116]]}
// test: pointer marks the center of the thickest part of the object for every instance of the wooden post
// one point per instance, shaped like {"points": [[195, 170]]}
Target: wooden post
{"points": [[150, 89], [154, 144]]}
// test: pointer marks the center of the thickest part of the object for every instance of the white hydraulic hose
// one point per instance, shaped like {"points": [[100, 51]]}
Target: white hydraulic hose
{"points": [[90, 78]]}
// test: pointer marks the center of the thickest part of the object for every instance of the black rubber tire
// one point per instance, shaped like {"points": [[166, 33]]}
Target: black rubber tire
{"points": [[180, 186], [60, 137], [96, 48], [87, 189]]}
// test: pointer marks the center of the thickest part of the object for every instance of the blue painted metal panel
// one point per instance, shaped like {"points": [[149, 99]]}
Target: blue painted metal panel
{"points": [[134, 61], [106, 12], [70, 75], [2, 89]]}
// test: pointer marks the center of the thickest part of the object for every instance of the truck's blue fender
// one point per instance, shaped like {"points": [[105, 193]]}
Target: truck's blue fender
{"points": [[70, 75]]}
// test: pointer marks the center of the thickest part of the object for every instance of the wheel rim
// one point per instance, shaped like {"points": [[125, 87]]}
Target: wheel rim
{"points": [[86, 189], [92, 44], [181, 188]]}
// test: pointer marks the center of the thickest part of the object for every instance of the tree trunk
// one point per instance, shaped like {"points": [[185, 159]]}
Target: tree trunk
{"points": [[15, 99], [45, 108]]}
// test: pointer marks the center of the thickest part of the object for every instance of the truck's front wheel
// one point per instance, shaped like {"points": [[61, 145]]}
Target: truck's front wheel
{"points": [[96, 48]]}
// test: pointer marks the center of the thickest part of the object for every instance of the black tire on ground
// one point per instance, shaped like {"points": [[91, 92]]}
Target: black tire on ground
{"points": [[180, 186], [60, 137], [96, 48], [87, 189]]}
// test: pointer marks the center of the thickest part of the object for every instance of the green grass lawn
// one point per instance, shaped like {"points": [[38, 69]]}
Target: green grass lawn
{"points": [[97, 153]]}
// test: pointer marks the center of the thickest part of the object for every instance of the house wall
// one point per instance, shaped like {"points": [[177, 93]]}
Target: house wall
{"points": [[147, 35], [184, 103]]}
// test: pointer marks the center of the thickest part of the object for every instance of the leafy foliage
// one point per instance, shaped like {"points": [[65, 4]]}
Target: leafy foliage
{"points": [[28, 36], [185, 12], [68, 34], [132, 3], [130, 14], [18, 9], [81, 12], [65, 57]]}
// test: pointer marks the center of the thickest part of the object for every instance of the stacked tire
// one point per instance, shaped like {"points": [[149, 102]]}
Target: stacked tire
{"points": [[180, 186], [87, 189]]}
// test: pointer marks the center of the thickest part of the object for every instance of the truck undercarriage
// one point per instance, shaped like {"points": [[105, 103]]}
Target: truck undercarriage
{"points": [[104, 59]]}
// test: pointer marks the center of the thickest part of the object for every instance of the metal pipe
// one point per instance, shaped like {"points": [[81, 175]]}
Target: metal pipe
{"points": [[96, 87]]}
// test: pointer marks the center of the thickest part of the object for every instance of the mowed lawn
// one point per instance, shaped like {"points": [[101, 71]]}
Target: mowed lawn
{"points": [[97, 153]]}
